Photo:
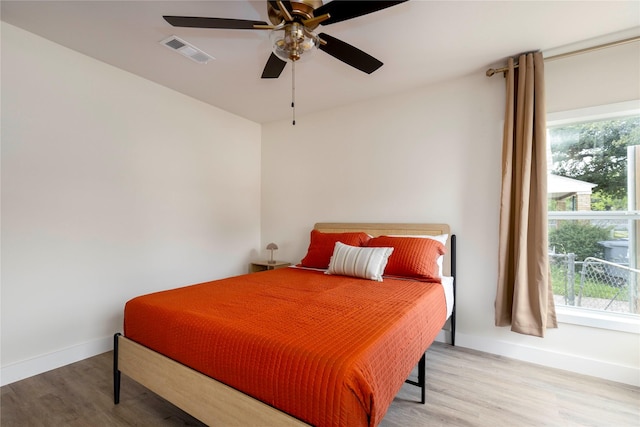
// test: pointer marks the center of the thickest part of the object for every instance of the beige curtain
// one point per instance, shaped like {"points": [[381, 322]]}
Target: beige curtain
{"points": [[524, 298]]}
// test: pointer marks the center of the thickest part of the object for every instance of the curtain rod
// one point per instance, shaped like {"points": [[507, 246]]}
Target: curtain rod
{"points": [[492, 71]]}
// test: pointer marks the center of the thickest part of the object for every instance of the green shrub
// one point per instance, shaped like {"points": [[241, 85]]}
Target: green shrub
{"points": [[580, 238]]}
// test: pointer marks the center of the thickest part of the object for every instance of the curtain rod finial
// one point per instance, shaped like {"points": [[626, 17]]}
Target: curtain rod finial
{"points": [[490, 72]]}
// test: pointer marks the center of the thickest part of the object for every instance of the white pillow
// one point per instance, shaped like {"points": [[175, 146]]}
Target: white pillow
{"points": [[366, 263], [442, 238]]}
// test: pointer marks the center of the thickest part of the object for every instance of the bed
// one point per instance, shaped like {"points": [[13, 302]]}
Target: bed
{"points": [[296, 346]]}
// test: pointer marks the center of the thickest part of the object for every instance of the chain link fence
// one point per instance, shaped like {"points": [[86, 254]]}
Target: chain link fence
{"points": [[594, 283]]}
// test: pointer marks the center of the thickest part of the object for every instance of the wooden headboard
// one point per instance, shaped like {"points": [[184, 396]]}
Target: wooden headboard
{"points": [[382, 229]]}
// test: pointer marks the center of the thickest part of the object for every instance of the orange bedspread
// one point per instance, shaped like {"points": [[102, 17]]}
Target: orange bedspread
{"points": [[329, 350]]}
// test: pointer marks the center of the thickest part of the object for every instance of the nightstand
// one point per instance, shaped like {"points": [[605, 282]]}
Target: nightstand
{"points": [[257, 266]]}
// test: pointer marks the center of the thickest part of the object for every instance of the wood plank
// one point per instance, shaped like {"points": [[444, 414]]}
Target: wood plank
{"points": [[380, 228], [203, 397]]}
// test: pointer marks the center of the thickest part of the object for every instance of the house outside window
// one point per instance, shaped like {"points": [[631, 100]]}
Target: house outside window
{"points": [[593, 209]]}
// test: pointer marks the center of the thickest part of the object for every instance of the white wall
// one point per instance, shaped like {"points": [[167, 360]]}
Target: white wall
{"points": [[112, 186], [431, 155]]}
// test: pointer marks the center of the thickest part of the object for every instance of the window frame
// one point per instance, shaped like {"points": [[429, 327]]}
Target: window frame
{"points": [[579, 315]]}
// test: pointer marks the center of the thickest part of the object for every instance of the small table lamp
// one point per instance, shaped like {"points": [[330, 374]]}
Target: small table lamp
{"points": [[272, 247]]}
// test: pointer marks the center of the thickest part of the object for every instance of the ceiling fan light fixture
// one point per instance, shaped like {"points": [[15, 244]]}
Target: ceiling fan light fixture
{"points": [[293, 41]]}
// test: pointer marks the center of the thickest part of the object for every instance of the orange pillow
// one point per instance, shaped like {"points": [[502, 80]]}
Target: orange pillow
{"points": [[322, 245], [412, 256]]}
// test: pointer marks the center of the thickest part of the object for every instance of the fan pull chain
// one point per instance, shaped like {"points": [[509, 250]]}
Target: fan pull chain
{"points": [[293, 91]]}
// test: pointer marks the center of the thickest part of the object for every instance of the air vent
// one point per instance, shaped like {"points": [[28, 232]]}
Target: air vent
{"points": [[186, 49]]}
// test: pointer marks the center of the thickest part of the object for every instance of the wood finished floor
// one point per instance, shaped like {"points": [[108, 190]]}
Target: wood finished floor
{"points": [[465, 388]]}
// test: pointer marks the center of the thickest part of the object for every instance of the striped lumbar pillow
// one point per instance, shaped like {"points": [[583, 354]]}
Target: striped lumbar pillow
{"points": [[367, 263]]}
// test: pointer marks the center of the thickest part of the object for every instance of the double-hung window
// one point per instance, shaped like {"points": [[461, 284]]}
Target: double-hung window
{"points": [[594, 212]]}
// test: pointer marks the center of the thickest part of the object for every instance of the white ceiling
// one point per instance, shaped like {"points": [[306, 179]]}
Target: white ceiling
{"points": [[420, 42]]}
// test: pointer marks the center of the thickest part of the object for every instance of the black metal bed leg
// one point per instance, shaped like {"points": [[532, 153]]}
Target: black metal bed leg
{"points": [[116, 371], [453, 329], [422, 378], [454, 250]]}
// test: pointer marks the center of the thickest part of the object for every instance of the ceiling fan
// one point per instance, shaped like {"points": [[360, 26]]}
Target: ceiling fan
{"points": [[292, 26]]}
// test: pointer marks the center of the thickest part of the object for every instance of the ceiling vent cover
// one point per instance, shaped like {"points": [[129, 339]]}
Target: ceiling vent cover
{"points": [[186, 49]]}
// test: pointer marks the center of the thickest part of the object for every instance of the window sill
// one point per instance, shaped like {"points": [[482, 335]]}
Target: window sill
{"points": [[598, 319]]}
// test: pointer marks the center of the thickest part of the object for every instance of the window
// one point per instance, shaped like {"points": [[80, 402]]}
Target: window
{"points": [[594, 209]]}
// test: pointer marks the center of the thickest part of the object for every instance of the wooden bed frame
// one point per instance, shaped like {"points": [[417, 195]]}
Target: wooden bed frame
{"points": [[215, 403]]}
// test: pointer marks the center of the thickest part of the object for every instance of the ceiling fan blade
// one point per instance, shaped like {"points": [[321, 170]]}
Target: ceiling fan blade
{"points": [[341, 10], [222, 23], [273, 68], [348, 54]]}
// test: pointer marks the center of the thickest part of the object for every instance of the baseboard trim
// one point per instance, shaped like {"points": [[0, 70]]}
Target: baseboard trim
{"points": [[568, 362], [443, 337], [27, 368]]}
